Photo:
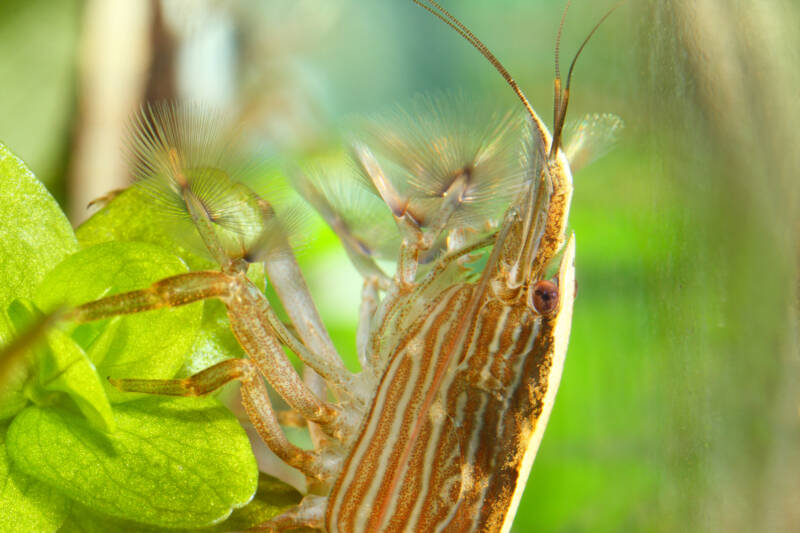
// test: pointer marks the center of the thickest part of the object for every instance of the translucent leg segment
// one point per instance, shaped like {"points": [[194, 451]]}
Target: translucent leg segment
{"points": [[256, 337], [255, 400], [169, 292], [288, 282], [246, 309]]}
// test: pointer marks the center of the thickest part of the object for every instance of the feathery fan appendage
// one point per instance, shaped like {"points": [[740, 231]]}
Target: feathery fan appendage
{"points": [[285, 229], [177, 147], [591, 138], [361, 220], [183, 154], [443, 172], [438, 142], [359, 213]]}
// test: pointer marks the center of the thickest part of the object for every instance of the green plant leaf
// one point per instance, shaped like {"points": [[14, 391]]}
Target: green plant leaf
{"points": [[215, 341], [35, 236], [175, 462], [146, 345], [272, 498], [100, 345], [133, 216], [64, 367], [25, 503]]}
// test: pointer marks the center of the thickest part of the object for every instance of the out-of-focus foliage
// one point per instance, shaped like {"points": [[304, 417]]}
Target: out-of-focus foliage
{"points": [[38, 44], [724, 84]]}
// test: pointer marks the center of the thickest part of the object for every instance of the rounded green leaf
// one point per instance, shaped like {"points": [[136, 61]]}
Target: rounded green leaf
{"points": [[62, 366], [65, 367], [171, 463], [34, 232], [17, 366], [152, 344], [34, 237], [272, 498], [25, 503]]}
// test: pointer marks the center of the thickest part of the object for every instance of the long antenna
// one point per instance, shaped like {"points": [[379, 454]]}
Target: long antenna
{"points": [[442, 14], [557, 81], [562, 97]]}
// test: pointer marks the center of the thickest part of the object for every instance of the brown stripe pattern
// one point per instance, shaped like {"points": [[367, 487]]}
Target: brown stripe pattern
{"points": [[442, 446]]}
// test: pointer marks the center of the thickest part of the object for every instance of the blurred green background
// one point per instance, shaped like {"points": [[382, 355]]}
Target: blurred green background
{"points": [[679, 408]]}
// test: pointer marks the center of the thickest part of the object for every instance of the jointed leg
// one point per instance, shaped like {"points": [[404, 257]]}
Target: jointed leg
{"points": [[255, 400], [340, 379], [252, 328], [169, 292], [288, 282], [312, 344], [386, 315], [257, 338]]}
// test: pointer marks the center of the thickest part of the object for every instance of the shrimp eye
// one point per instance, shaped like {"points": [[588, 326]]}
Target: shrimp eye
{"points": [[545, 297]]}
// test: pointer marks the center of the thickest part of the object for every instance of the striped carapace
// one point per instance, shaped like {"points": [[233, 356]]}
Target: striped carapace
{"points": [[460, 365]]}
